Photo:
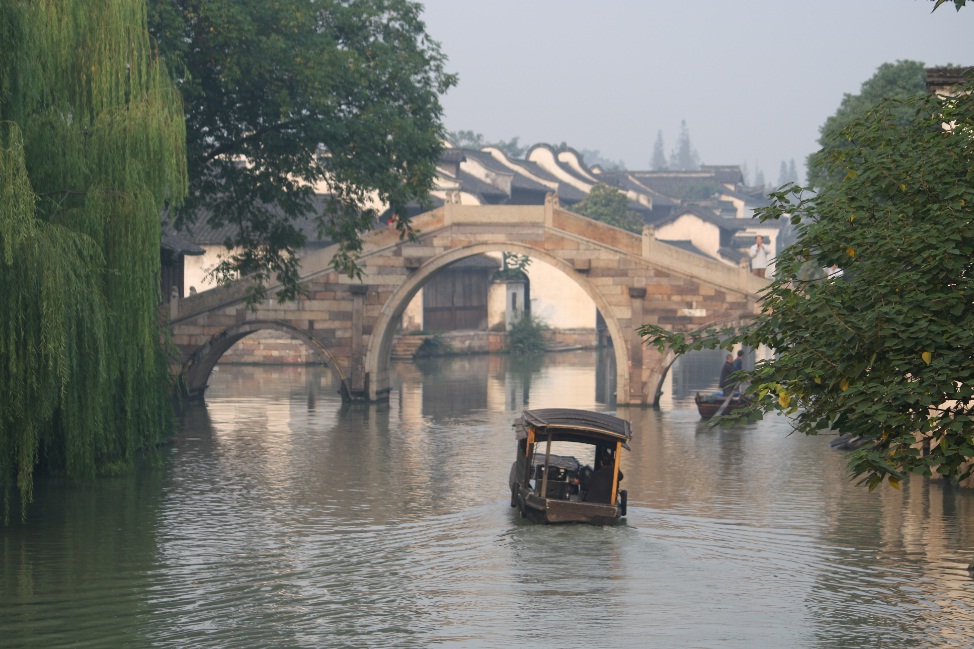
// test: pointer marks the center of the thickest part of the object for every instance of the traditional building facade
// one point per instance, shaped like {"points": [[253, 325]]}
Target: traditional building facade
{"points": [[707, 211]]}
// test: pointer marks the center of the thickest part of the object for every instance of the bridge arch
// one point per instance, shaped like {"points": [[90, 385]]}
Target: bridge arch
{"points": [[665, 360], [197, 369], [350, 325], [380, 343]]}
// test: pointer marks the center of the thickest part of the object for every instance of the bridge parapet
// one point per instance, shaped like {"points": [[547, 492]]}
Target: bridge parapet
{"points": [[631, 279]]}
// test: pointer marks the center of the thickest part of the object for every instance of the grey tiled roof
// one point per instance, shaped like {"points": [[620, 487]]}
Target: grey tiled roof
{"points": [[625, 182], [474, 185], [725, 174], [171, 240], [685, 245], [520, 181], [203, 233], [675, 184], [731, 254], [705, 214], [752, 197], [566, 192]]}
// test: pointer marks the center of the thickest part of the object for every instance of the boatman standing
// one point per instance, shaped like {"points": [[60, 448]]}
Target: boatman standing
{"points": [[726, 371], [759, 256]]}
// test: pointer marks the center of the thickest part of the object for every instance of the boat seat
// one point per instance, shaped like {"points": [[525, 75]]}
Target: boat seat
{"points": [[600, 487]]}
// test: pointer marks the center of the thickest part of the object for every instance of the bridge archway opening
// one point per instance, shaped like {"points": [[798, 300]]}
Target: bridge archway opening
{"points": [[197, 369], [380, 343], [681, 376]]}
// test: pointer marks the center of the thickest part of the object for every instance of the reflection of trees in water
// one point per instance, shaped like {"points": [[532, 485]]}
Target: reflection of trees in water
{"points": [[919, 525], [464, 380], [78, 534], [521, 368]]}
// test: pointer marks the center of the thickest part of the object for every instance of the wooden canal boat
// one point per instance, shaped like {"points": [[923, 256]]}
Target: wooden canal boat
{"points": [[710, 405], [560, 487]]}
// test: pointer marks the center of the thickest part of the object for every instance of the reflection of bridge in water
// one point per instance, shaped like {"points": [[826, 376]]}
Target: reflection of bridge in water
{"points": [[349, 324]]}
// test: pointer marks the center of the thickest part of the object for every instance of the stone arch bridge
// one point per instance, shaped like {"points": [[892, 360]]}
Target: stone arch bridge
{"points": [[350, 324]]}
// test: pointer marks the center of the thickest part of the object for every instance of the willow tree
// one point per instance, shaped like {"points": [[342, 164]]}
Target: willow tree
{"points": [[92, 146]]}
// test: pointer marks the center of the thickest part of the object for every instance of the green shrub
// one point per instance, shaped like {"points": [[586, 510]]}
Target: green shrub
{"points": [[527, 336], [435, 345]]}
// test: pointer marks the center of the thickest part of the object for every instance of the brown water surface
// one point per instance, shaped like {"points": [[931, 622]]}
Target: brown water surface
{"points": [[282, 518]]}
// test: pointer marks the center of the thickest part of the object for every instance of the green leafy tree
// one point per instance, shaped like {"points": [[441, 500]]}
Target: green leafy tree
{"points": [[609, 205], [472, 140], [783, 174], [466, 139], [282, 97], [759, 178], [527, 336], [787, 173], [512, 148], [899, 80], [886, 351], [513, 266], [91, 148], [592, 157]]}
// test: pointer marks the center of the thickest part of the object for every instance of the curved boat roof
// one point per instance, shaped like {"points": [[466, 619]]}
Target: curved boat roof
{"points": [[576, 421]]}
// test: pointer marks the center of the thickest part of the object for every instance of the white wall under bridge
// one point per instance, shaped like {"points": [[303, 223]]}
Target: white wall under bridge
{"points": [[381, 342], [632, 280]]}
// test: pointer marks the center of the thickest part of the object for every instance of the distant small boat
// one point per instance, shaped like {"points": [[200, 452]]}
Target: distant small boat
{"points": [[710, 405], [848, 442]]}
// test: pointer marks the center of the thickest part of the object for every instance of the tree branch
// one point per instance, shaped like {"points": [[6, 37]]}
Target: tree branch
{"points": [[255, 135]]}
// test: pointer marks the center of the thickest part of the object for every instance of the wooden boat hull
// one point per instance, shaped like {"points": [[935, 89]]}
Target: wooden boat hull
{"points": [[538, 509], [551, 510], [708, 408]]}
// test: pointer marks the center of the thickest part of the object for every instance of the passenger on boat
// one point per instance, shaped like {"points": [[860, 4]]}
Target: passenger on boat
{"points": [[582, 480], [600, 486]]}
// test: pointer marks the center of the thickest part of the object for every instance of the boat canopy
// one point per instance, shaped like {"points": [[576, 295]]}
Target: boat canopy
{"points": [[574, 423]]}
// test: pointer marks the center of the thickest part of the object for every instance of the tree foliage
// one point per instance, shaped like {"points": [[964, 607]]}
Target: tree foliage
{"points": [[473, 140], [957, 3], [658, 161], [466, 139], [899, 80], [287, 97], [91, 147], [593, 157], [684, 157], [886, 351], [528, 335], [609, 205], [787, 173], [513, 266]]}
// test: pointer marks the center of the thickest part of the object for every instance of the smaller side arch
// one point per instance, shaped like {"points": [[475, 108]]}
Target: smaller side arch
{"points": [[663, 361], [197, 369]]}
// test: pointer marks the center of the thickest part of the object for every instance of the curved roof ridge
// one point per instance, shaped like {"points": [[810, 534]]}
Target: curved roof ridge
{"points": [[545, 157]]}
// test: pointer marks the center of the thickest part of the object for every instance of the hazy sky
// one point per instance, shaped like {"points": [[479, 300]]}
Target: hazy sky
{"points": [[754, 79]]}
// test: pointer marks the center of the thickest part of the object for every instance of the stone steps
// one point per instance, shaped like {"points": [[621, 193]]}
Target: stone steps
{"points": [[405, 347]]}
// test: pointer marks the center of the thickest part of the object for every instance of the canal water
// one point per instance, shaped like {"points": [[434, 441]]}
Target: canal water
{"points": [[280, 518]]}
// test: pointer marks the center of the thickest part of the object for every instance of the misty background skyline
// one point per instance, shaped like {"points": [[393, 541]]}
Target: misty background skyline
{"points": [[754, 79]]}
